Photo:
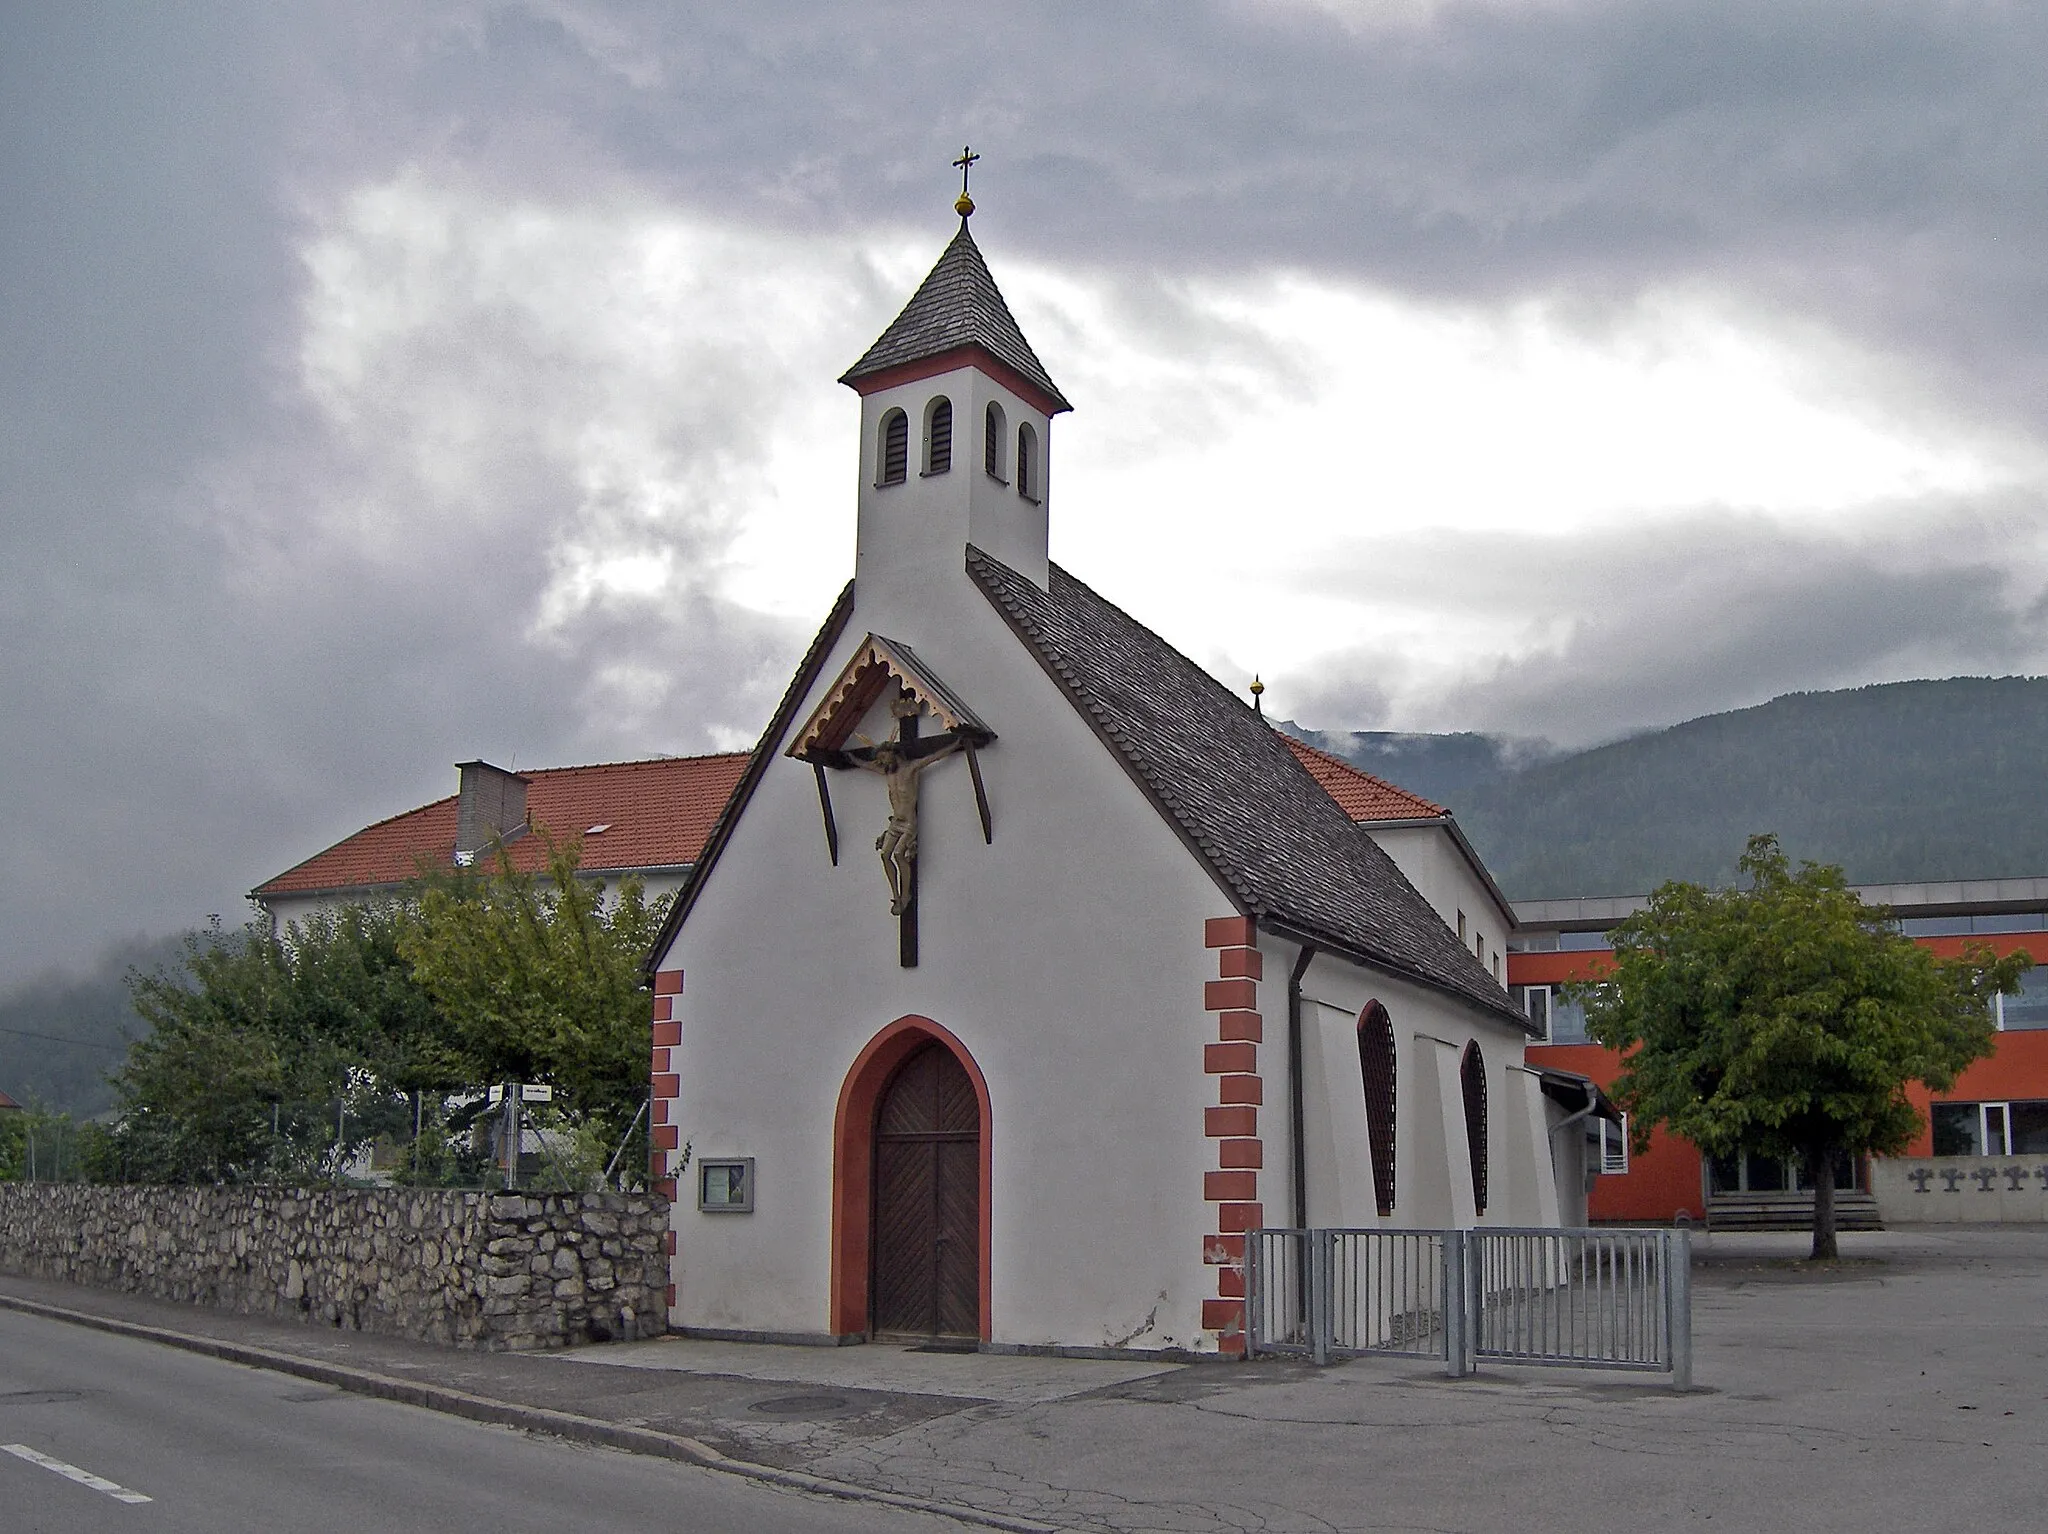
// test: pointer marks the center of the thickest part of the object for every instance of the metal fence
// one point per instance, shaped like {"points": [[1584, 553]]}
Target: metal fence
{"points": [[1612, 1299]]}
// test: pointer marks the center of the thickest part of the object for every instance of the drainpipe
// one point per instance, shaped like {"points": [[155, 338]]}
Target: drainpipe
{"points": [[1296, 1102]]}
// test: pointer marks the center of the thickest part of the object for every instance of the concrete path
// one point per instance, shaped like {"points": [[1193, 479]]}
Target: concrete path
{"points": [[1907, 1384], [912, 1371]]}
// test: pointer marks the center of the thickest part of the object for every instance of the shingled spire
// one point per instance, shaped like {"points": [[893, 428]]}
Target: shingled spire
{"points": [[957, 309]]}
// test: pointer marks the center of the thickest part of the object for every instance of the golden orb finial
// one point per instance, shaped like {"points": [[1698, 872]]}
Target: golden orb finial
{"points": [[964, 205], [1258, 692]]}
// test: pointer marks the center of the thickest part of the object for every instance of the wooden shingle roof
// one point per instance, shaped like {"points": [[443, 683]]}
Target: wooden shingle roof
{"points": [[1273, 836], [955, 309]]}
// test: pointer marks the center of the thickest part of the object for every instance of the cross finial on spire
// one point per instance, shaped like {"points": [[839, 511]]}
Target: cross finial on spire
{"points": [[964, 205]]}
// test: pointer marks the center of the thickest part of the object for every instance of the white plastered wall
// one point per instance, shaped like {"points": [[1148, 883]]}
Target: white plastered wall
{"points": [[1433, 1179], [1067, 957], [288, 910], [1430, 859]]}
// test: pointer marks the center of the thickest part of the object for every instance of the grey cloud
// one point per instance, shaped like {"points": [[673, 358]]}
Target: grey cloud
{"points": [[1872, 166], [210, 672], [1632, 629]]}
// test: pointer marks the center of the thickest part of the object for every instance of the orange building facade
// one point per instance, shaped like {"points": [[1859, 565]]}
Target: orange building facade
{"points": [[1999, 1106]]}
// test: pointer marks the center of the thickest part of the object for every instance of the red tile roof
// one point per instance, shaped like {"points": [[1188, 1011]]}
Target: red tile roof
{"points": [[1359, 794], [656, 814], [7, 1102]]}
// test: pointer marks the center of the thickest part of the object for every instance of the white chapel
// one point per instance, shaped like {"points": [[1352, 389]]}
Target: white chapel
{"points": [[1028, 967]]}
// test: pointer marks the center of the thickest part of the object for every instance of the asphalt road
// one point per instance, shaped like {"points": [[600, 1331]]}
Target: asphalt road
{"points": [[178, 1443]]}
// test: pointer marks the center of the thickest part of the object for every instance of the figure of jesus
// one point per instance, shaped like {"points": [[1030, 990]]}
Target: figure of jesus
{"points": [[898, 842]]}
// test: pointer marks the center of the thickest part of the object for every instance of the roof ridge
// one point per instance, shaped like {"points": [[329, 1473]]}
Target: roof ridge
{"points": [[633, 761]]}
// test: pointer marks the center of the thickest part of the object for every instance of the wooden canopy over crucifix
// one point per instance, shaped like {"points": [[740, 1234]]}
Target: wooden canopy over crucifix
{"points": [[828, 738]]}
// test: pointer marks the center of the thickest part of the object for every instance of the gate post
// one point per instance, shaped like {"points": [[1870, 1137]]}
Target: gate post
{"points": [[1678, 1305], [1455, 1318], [1319, 1252]]}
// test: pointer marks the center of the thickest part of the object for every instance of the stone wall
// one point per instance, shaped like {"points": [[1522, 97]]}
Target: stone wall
{"points": [[1974, 1190], [472, 1270]]}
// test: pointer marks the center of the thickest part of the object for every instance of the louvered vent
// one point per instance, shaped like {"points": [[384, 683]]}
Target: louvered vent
{"points": [[992, 441], [1472, 1076], [895, 448], [938, 437], [1376, 1065], [1027, 451]]}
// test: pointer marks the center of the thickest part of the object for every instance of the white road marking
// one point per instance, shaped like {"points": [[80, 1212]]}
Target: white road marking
{"points": [[73, 1473]]}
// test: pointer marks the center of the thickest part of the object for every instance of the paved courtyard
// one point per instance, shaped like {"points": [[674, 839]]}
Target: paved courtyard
{"points": [[1907, 1384]]}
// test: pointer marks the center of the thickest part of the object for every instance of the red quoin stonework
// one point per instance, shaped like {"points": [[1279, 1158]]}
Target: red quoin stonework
{"points": [[662, 1132], [1231, 1183]]}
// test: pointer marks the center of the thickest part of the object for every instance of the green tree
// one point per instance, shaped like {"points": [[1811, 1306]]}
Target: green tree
{"points": [[1786, 1018], [539, 977], [277, 1055]]}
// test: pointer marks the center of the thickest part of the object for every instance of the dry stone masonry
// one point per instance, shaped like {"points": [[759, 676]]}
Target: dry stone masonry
{"points": [[471, 1270]]}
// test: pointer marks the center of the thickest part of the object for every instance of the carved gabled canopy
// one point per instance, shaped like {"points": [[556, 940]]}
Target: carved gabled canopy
{"points": [[875, 665]]}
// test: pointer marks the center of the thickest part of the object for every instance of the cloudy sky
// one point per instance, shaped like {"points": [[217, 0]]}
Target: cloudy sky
{"points": [[389, 384]]}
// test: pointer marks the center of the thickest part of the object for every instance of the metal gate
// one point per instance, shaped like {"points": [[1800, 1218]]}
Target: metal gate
{"points": [[1601, 1299]]}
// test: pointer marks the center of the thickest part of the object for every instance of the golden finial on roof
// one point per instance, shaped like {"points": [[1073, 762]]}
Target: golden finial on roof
{"points": [[963, 204], [1258, 691]]}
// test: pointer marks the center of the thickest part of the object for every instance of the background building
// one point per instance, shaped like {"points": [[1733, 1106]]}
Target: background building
{"points": [[1998, 1107]]}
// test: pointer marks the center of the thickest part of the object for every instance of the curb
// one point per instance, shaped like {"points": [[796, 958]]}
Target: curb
{"points": [[534, 1419]]}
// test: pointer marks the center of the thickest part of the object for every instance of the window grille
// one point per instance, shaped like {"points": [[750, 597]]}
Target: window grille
{"points": [[938, 436], [1472, 1076], [895, 448], [1376, 1067]]}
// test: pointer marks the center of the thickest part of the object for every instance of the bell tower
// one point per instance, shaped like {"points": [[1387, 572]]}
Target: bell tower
{"points": [[956, 432]]}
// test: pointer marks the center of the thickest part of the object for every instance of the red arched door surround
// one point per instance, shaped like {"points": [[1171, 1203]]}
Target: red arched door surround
{"points": [[853, 1166]]}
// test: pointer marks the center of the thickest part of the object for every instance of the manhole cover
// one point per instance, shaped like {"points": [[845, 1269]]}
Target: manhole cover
{"points": [[798, 1406], [39, 1397]]}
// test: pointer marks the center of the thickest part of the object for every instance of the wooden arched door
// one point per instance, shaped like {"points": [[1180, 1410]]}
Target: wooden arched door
{"points": [[927, 1205]]}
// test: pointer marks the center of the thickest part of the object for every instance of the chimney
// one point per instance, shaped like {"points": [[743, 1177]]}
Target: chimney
{"points": [[491, 807]]}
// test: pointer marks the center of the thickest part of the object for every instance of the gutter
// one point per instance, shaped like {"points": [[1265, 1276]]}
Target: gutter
{"points": [[1296, 1093]]}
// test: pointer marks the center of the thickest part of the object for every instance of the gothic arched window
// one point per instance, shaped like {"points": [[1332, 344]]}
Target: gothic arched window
{"points": [[938, 436], [1376, 1066], [1027, 462], [992, 439], [895, 453], [1472, 1077]]}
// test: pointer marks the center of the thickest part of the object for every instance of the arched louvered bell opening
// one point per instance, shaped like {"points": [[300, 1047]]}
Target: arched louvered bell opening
{"points": [[895, 448], [992, 435], [938, 436], [1472, 1077], [1376, 1066], [1027, 462]]}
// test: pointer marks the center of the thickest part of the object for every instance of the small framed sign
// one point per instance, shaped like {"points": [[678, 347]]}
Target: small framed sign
{"points": [[726, 1186]]}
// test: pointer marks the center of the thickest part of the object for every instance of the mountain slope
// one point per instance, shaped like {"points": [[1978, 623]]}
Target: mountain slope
{"points": [[1896, 782]]}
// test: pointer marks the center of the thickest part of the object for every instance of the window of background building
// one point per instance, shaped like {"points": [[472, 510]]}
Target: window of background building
{"points": [[1562, 1021], [2029, 1007], [1990, 1129]]}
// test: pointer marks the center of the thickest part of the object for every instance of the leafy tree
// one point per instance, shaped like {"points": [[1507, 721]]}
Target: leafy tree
{"points": [[539, 977], [276, 1055], [1786, 1019]]}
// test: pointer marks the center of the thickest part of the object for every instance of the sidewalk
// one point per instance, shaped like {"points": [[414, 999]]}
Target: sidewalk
{"points": [[1913, 1378]]}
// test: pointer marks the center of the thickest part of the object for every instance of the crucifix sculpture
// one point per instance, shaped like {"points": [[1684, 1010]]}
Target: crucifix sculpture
{"points": [[885, 669], [900, 769]]}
